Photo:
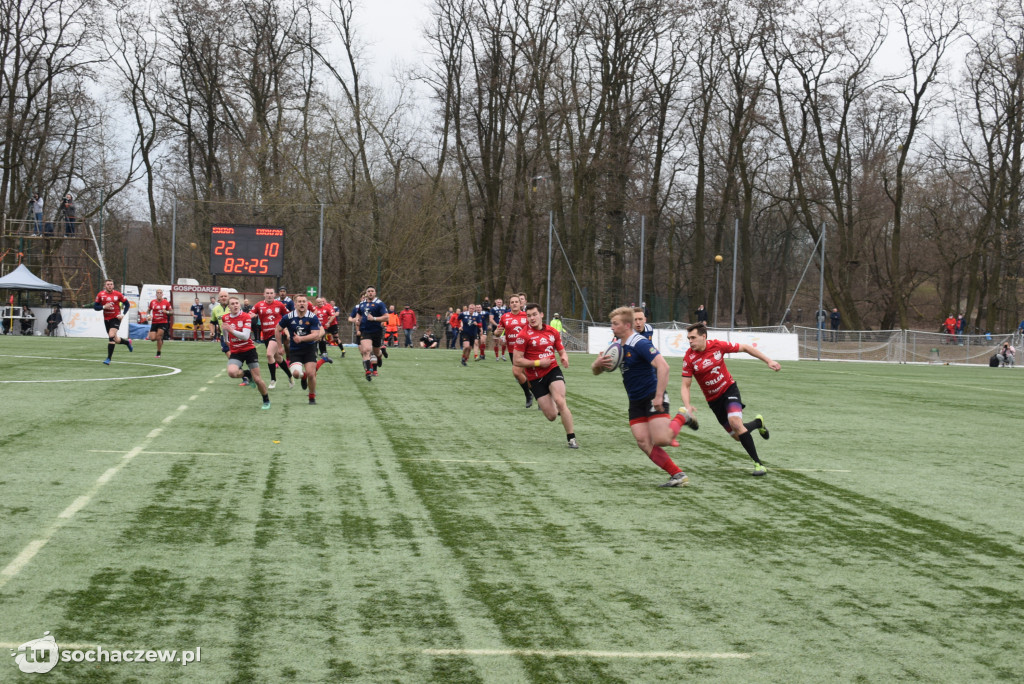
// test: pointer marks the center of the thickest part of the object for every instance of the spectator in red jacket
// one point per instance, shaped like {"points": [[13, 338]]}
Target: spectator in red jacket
{"points": [[407, 319], [455, 323], [950, 326]]}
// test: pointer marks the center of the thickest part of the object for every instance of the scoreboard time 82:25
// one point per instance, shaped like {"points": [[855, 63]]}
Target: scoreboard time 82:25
{"points": [[247, 250]]}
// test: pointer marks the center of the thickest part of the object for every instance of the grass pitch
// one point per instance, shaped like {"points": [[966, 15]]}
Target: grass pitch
{"points": [[426, 527]]}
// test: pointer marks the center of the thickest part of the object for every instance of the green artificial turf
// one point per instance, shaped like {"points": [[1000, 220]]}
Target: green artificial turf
{"points": [[425, 527]]}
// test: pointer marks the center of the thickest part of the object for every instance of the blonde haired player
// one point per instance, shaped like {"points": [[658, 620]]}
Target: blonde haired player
{"points": [[645, 375]]}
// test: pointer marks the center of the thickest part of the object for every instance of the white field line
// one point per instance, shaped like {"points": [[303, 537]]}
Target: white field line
{"points": [[459, 460], [770, 469], [652, 655], [162, 453], [171, 370], [35, 546]]}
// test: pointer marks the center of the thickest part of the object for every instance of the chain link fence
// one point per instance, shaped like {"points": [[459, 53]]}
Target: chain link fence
{"points": [[888, 346], [900, 346]]}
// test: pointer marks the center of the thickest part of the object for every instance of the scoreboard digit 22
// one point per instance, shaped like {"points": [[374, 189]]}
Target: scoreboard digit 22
{"points": [[247, 250]]}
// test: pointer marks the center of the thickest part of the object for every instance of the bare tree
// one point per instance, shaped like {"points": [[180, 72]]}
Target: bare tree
{"points": [[928, 29]]}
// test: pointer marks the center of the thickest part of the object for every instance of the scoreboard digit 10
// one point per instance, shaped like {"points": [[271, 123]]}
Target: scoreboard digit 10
{"points": [[247, 250]]}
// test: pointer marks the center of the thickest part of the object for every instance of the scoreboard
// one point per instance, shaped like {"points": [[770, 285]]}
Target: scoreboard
{"points": [[246, 250]]}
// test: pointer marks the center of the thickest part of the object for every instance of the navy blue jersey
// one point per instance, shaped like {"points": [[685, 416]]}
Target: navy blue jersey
{"points": [[648, 332], [287, 301], [197, 312], [485, 318], [496, 313], [479, 318], [300, 325], [469, 321], [638, 373], [375, 308]]}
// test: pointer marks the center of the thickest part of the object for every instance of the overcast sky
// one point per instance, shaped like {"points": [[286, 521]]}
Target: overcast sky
{"points": [[393, 32]]}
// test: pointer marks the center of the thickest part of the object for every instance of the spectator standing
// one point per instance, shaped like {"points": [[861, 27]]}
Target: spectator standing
{"points": [[67, 209], [961, 325], [950, 326], [820, 318], [448, 333], [835, 319], [702, 314], [391, 328], [35, 208], [407, 319], [455, 323], [556, 323]]}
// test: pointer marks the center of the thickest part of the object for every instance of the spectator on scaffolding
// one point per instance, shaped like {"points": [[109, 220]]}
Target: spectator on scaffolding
{"points": [[35, 209], [67, 209]]}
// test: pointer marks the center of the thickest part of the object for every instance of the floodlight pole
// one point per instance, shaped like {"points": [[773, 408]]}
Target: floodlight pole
{"points": [[320, 268], [640, 299], [174, 234], [735, 254], [821, 293], [551, 228]]}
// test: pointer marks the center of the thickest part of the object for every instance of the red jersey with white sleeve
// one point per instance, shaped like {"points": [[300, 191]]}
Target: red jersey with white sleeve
{"points": [[111, 302], [324, 313], [158, 310], [708, 367], [539, 344], [514, 324], [269, 315], [241, 323]]}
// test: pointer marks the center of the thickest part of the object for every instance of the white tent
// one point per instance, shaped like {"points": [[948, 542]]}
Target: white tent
{"points": [[22, 279]]}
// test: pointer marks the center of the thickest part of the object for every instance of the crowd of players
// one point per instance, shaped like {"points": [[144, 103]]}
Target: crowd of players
{"points": [[296, 333]]}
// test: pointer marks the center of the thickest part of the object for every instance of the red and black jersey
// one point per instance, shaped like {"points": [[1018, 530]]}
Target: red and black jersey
{"points": [[111, 302], [539, 344], [159, 310], [269, 315], [241, 323], [708, 367], [325, 313], [513, 323]]}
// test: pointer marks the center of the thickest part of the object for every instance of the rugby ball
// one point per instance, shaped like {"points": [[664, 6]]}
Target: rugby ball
{"points": [[297, 370], [614, 352]]}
